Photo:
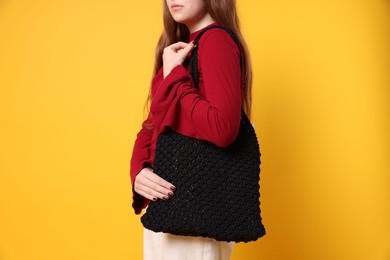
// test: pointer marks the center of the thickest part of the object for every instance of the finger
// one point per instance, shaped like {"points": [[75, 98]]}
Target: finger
{"points": [[139, 188], [155, 182], [152, 193], [148, 188], [146, 195], [157, 179], [178, 45], [188, 48], [156, 187]]}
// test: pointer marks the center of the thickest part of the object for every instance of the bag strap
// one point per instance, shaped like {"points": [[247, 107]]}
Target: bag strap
{"points": [[194, 66]]}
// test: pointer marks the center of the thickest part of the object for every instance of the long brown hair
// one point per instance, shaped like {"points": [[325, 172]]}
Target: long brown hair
{"points": [[223, 12]]}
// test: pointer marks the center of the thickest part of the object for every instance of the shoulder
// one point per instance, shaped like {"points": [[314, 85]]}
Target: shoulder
{"points": [[217, 39]]}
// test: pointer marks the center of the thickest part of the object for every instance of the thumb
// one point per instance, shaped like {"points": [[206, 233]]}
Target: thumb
{"points": [[189, 47]]}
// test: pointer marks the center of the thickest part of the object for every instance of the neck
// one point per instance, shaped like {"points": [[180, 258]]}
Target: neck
{"points": [[206, 20]]}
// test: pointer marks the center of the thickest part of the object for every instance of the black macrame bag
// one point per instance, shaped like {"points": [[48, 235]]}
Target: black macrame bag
{"points": [[217, 189]]}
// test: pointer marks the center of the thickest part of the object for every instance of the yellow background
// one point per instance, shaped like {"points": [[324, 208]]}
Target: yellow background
{"points": [[73, 79]]}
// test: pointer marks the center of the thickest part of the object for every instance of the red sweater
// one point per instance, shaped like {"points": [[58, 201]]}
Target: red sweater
{"points": [[210, 113]]}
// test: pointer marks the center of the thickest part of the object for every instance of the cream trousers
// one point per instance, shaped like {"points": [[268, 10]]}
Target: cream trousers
{"points": [[164, 246]]}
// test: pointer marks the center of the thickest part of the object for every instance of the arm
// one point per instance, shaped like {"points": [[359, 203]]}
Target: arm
{"points": [[140, 160], [146, 184]]}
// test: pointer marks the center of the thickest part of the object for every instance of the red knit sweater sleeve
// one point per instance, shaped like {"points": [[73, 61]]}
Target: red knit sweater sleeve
{"points": [[141, 151], [213, 115]]}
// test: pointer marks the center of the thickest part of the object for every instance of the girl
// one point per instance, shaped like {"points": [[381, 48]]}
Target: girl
{"points": [[211, 112]]}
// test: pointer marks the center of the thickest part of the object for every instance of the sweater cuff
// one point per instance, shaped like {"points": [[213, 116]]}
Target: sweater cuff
{"points": [[139, 202]]}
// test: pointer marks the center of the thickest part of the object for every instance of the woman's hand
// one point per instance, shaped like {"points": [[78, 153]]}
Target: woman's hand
{"points": [[152, 186], [174, 55]]}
